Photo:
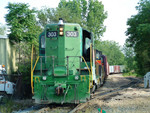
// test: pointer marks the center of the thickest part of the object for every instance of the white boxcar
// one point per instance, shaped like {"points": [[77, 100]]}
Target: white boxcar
{"points": [[111, 69]]}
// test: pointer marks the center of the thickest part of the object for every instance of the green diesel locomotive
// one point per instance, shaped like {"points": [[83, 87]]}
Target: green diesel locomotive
{"points": [[68, 68]]}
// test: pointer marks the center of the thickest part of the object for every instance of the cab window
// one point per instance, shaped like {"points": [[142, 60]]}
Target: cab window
{"points": [[42, 42]]}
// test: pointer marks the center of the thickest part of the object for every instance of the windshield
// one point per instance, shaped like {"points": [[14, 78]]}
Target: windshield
{"points": [[42, 42]]}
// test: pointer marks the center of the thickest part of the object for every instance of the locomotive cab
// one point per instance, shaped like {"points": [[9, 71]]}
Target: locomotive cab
{"points": [[87, 40]]}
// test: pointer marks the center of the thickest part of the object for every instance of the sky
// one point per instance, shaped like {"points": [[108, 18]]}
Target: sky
{"points": [[118, 13]]}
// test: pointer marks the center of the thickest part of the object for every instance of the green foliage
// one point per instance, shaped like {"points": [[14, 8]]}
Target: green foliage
{"points": [[138, 36], [112, 50], [129, 58], [9, 106], [130, 74], [95, 18], [22, 22], [24, 63], [24, 31], [89, 14], [2, 29]]}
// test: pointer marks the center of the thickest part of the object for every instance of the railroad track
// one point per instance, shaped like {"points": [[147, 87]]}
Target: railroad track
{"points": [[45, 108], [71, 108], [107, 94], [28, 110]]}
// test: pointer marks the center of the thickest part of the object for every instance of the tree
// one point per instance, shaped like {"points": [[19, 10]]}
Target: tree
{"points": [[129, 58], [95, 18], [112, 50], [51, 15], [24, 32], [89, 14], [138, 36], [22, 22], [2, 29], [23, 25]]}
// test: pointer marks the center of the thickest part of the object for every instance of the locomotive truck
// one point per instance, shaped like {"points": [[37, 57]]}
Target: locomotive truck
{"points": [[68, 68]]}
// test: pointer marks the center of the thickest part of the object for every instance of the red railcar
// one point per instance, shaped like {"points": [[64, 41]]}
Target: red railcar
{"points": [[102, 66]]}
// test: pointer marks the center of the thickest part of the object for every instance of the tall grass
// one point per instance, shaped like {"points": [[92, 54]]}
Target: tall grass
{"points": [[8, 105], [131, 74]]}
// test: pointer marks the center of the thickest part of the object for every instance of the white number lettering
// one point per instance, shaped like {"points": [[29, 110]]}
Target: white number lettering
{"points": [[52, 34], [71, 34]]}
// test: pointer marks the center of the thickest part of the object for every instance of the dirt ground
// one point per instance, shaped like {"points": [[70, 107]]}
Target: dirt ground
{"points": [[120, 95]]}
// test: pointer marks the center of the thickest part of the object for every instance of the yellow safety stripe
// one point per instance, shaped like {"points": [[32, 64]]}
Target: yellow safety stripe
{"points": [[31, 70]]}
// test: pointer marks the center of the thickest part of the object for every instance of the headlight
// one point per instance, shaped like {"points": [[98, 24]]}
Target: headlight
{"points": [[44, 77], [61, 33], [76, 78], [61, 29]]}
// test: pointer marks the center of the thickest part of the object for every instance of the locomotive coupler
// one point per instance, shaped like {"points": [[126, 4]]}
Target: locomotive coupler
{"points": [[60, 89]]}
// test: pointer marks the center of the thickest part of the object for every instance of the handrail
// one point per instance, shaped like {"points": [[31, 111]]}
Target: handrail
{"points": [[36, 63], [90, 72], [86, 64], [91, 62], [31, 70]]}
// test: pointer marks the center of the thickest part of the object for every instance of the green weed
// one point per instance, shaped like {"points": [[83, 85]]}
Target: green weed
{"points": [[131, 74], [8, 106]]}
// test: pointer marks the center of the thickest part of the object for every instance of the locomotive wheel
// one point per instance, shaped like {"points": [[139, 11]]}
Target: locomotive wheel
{"points": [[102, 82], [92, 90]]}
